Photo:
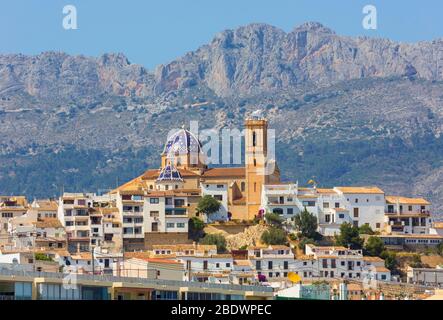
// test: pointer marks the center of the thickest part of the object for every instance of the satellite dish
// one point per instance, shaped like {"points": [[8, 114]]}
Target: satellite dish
{"points": [[293, 277]]}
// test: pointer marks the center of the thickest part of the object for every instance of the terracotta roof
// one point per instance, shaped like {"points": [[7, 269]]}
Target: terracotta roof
{"points": [[48, 223], [134, 184], [242, 263], [225, 172], [326, 191], [138, 255], [373, 259], [158, 260], [404, 200], [362, 190], [81, 256], [382, 269], [47, 205]]}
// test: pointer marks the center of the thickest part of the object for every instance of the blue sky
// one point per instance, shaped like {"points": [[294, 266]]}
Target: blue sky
{"points": [[153, 32]]}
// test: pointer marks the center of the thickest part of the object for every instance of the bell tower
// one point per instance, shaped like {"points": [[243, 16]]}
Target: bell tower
{"points": [[256, 149]]}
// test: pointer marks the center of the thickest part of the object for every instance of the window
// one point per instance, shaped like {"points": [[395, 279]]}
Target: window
{"points": [[137, 198], [154, 200], [333, 264], [285, 265], [255, 162], [356, 200], [179, 202], [220, 186], [377, 225], [356, 212], [228, 265], [243, 187], [325, 205], [254, 139], [290, 211], [7, 215], [138, 220], [337, 205], [168, 201], [270, 265], [325, 263], [154, 214], [218, 197], [170, 225], [341, 215], [327, 218], [308, 203], [180, 225]]}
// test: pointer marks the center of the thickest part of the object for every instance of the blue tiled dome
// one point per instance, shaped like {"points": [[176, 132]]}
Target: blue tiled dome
{"points": [[169, 173], [182, 142]]}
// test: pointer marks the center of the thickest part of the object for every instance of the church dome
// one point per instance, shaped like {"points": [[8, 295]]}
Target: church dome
{"points": [[182, 142]]}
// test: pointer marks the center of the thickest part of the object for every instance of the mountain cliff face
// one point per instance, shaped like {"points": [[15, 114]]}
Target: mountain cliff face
{"points": [[347, 110], [261, 57]]}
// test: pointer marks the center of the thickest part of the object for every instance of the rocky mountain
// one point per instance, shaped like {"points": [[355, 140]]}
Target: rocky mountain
{"points": [[347, 110]]}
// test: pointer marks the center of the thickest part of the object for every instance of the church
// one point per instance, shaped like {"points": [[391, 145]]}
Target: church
{"points": [[162, 200]]}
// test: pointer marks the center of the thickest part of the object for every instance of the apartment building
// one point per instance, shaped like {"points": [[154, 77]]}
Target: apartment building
{"points": [[281, 199], [407, 215], [130, 204], [168, 211], [73, 213], [11, 207], [339, 262], [274, 262], [332, 207], [426, 276]]}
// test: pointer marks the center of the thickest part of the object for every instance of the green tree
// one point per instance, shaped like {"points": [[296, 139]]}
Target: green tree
{"points": [[208, 205], [390, 260], [306, 223], [366, 229], [274, 236], [42, 257], [349, 237], [274, 219], [215, 239], [374, 247], [196, 227]]}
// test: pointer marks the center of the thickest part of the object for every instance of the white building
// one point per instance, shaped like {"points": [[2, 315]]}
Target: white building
{"points": [[339, 262], [407, 215], [220, 192], [426, 276], [274, 262], [332, 207]]}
